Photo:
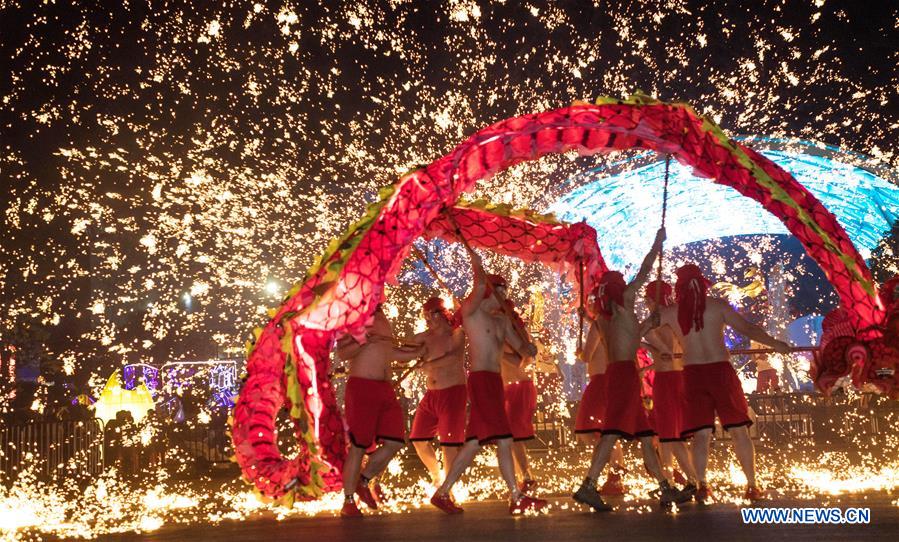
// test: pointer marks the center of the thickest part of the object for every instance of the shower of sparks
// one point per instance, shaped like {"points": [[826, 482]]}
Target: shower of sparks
{"points": [[168, 174], [163, 166]]}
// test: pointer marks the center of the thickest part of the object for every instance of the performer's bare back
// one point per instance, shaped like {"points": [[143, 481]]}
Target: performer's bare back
{"points": [[707, 344], [622, 332], [596, 351], [670, 352]]}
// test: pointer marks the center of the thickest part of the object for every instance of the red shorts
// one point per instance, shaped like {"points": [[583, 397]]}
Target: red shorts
{"points": [[487, 420], [441, 413], [521, 404], [668, 405], [767, 380], [625, 415], [711, 388], [592, 409], [372, 412]]}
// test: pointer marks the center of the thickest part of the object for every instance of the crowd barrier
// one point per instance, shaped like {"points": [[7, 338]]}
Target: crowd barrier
{"points": [[52, 449], [60, 449]]}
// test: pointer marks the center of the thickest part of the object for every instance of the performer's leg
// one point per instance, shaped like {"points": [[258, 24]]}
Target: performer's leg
{"points": [[666, 457], [379, 459], [449, 457], [461, 462], [428, 457], [507, 465], [700, 452], [651, 459], [617, 456], [522, 465], [601, 454], [745, 451], [351, 468], [590, 439], [680, 451]]}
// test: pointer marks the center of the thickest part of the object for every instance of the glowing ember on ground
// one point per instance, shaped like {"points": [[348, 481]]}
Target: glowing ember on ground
{"points": [[108, 505]]}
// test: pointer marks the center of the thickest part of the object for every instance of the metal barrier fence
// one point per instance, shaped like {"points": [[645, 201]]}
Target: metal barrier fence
{"points": [[63, 449], [53, 449], [59, 450], [207, 446]]}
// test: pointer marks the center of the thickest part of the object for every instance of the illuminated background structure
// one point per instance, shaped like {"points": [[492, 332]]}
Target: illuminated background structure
{"points": [[618, 201]]}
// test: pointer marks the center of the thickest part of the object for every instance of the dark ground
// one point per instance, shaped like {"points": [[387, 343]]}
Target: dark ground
{"points": [[490, 521]]}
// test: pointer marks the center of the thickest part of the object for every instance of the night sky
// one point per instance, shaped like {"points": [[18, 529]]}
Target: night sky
{"points": [[152, 152]]}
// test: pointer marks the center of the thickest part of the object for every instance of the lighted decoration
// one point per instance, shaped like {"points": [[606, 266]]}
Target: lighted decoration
{"points": [[873, 363], [135, 373], [218, 375], [734, 293], [613, 198], [289, 358], [115, 397]]}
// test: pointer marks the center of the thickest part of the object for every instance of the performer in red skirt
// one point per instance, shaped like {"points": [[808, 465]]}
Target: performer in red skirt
{"points": [[521, 401], [625, 416], [441, 412], [488, 329], [711, 384], [592, 408], [373, 413], [668, 401]]}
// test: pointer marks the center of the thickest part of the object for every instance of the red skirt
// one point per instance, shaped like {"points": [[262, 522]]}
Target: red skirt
{"points": [[521, 404], [712, 388], [441, 413], [372, 412], [625, 415], [668, 405], [487, 421], [592, 409]]}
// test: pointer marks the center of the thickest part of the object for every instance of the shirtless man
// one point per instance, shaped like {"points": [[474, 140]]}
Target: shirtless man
{"points": [[372, 410], [625, 415], [521, 398], [441, 412], [592, 408], [711, 384], [668, 389], [488, 329]]}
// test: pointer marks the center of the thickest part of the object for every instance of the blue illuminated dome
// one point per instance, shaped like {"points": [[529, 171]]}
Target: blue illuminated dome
{"points": [[623, 202]]}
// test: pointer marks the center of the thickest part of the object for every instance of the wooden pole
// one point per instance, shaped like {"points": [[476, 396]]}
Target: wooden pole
{"points": [[433, 272], [580, 314], [661, 250]]}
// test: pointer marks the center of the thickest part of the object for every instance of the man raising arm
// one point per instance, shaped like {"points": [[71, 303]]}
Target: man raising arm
{"points": [[488, 329]]}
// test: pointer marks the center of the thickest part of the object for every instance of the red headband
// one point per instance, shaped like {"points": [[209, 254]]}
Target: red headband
{"points": [[611, 290], [659, 291], [690, 289]]}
